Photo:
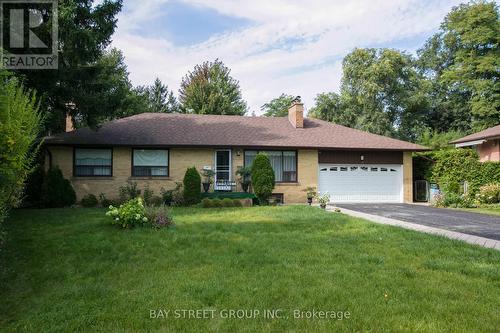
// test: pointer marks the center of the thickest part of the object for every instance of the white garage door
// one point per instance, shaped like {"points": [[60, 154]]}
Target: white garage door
{"points": [[361, 182]]}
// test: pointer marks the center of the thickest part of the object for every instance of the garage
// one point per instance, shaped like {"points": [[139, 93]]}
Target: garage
{"points": [[361, 176], [361, 182]]}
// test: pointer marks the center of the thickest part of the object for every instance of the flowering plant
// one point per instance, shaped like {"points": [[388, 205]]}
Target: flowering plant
{"points": [[323, 199], [129, 214]]}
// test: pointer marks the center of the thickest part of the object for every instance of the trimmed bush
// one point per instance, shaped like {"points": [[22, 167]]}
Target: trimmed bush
{"points": [[89, 200], [192, 186], [262, 178], [489, 194], [56, 190], [206, 203], [227, 202], [237, 203], [216, 203]]}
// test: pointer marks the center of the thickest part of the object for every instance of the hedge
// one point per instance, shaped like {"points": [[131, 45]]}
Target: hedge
{"points": [[450, 168]]}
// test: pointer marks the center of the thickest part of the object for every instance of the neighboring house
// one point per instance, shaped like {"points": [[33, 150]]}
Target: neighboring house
{"points": [[155, 149], [486, 143]]}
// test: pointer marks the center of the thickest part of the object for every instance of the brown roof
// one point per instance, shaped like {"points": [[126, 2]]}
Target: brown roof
{"points": [[160, 129], [486, 134]]}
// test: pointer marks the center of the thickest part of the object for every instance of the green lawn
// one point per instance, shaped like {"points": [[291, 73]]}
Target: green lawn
{"points": [[491, 210], [69, 270]]}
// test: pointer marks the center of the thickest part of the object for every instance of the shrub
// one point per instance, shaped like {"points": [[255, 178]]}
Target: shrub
{"points": [[103, 201], [489, 194], [262, 177], [237, 203], [453, 200], [192, 186], [129, 191], [226, 202], [89, 200], [20, 123], [217, 202], [207, 203], [156, 201], [159, 216], [173, 197], [56, 190], [33, 190], [129, 214], [147, 195], [451, 168]]}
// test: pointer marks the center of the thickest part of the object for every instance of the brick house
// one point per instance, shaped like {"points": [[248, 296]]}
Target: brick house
{"points": [[486, 143], [155, 149]]}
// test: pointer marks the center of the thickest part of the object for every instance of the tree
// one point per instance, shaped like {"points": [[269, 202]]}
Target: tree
{"points": [[473, 30], [278, 107], [382, 93], [20, 124], [328, 106], [85, 31], [159, 98], [461, 63], [262, 177], [209, 89], [106, 95]]}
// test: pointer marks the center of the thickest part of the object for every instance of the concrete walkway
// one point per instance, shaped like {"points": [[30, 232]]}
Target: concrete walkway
{"points": [[471, 239]]}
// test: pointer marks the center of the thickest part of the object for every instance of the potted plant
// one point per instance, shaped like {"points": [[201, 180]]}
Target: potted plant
{"points": [[208, 176], [323, 199], [311, 193], [244, 174]]}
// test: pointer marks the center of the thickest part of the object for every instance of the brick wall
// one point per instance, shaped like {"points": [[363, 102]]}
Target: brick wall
{"points": [[180, 160]]}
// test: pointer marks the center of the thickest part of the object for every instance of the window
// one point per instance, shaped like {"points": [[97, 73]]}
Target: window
{"points": [[353, 168], [374, 169], [333, 169], [93, 162], [150, 163], [383, 169], [343, 168], [284, 163]]}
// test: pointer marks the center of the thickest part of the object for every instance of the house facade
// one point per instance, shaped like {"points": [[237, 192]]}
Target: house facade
{"points": [[486, 143], [154, 150]]}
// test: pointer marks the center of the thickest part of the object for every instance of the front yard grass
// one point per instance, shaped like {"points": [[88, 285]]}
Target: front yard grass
{"points": [[490, 210], [69, 270]]}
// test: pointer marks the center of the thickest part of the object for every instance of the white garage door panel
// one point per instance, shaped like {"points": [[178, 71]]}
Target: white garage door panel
{"points": [[361, 182]]}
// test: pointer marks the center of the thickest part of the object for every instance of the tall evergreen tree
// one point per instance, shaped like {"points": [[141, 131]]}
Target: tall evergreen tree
{"points": [[85, 30], [209, 89]]}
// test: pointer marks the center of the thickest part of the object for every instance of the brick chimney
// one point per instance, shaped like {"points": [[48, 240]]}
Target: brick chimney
{"points": [[296, 113], [69, 123]]}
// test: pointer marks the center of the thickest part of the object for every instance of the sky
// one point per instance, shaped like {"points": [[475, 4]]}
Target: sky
{"points": [[271, 46]]}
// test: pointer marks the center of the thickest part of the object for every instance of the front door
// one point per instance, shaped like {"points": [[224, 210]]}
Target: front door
{"points": [[222, 170]]}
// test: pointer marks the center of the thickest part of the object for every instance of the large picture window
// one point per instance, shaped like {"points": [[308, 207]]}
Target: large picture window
{"points": [[150, 163], [284, 163], [93, 162]]}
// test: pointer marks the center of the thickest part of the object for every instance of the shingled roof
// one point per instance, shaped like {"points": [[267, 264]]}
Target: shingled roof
{"points": [[488, 133], [175, 130]]}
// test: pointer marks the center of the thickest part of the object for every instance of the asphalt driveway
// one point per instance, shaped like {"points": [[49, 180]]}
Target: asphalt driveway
{"points": [[482, 225]]}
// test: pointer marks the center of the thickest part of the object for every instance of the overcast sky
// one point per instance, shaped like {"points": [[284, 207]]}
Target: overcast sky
{"points": [[271, 46]]}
